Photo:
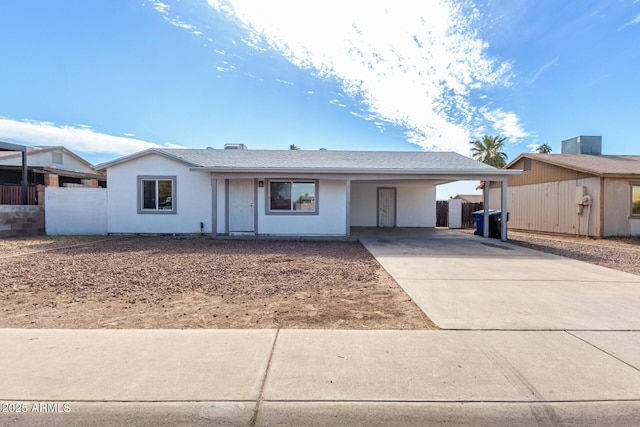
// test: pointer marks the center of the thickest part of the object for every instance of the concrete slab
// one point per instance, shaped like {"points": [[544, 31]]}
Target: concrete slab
{"points": [[623, 345], [444, 366], [443, 244], [469, 267], [133, 414], [509, 304], [407, 414], [467, 282], [133, 365]]}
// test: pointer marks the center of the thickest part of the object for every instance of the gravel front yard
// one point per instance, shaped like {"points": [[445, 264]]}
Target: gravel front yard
{"points": [[620, 253], [173, 282]]}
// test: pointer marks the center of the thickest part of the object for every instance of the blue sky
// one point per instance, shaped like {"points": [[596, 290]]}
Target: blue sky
{"points": [[110, 77]]}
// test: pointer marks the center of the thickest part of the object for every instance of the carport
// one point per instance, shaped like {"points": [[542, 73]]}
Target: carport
{"points": [[392, 183], [7, 146]]}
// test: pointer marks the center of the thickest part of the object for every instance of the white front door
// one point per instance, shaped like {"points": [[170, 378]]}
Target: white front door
{"points": [[386, 207], [241, 210]]}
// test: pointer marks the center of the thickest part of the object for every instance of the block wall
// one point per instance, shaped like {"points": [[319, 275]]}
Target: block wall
{"points": [[21, 220]]}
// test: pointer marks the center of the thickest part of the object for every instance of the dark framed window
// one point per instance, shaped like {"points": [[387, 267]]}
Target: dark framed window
{"points": [[635, 199], [292, 197], [157, 194]]}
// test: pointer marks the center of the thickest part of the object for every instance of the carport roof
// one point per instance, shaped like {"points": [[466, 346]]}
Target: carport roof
{"points": [[8, 146], [321, 161]]}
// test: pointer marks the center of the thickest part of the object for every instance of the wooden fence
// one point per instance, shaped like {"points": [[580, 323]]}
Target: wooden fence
{"points": [[11, 194], [442, 213]]}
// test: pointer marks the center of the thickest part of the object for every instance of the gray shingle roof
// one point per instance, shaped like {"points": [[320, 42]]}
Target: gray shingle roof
{"points": [[327, 159]]}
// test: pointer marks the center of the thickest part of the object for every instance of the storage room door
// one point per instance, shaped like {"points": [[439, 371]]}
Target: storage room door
{"points": [[241, 210], [386, 207]]}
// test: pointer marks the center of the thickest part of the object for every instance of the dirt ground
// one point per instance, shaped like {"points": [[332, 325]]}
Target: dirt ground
{"points": [[173, 282], [618, 253]]}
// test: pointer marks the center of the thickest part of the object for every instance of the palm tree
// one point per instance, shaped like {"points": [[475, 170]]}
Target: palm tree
{"points": [[293, 147], [544, 149], [489, 151]]}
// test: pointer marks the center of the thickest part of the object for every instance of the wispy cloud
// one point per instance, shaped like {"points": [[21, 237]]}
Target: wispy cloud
{"points": [[165, 10], [533, 147], [417, 73], [77, 138], [541, 70], [634, 21], [507, 124]]}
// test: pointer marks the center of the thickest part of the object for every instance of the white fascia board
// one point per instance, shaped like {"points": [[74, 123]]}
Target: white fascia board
{"points": [[345, 171], [361, 177]]}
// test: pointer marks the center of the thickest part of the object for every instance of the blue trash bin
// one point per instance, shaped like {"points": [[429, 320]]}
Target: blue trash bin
{"points": [[478, 216]]}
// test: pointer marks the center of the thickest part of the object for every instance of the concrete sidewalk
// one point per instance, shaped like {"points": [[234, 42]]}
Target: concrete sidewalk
{"points": [[319, 377], [534, 340]]}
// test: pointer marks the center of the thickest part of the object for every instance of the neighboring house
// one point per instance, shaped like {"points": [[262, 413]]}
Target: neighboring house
{"points": [[575, 193], [469, 198], [283, 192], [49, 166]]}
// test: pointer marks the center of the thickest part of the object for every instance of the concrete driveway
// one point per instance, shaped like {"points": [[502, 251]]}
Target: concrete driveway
{"points": [[467, 282]]}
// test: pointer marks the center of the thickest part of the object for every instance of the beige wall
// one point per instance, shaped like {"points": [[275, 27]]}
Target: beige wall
{"points": [[551, 207], [617, 199]]}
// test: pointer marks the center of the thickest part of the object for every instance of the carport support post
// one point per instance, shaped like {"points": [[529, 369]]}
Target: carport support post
{"points": [[504, 213], [485, 207], [348, 212], [25, 200]]}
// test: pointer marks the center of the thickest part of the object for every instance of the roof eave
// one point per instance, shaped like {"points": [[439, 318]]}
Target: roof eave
{"points": [[143, 153], [8, 146], [559, 164], [385, 171]]}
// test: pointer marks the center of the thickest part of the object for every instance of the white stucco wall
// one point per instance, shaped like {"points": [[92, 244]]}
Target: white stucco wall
{"points": [[455, 213], [193, 198], [415, 204], [75, 211], [331, 219]]}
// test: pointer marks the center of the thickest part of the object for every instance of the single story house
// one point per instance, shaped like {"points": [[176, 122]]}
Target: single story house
{"points": [[51, 166], [281, 192], [574, 193]]}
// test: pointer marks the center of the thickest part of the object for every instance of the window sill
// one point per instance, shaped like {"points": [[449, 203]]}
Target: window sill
{"points": [[141, 212], [302, 213]]}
